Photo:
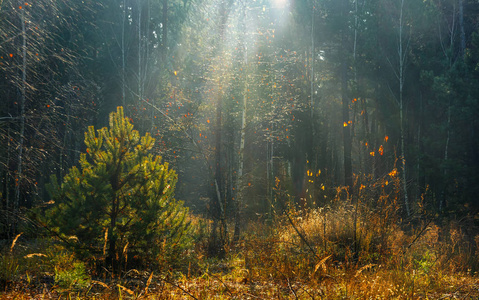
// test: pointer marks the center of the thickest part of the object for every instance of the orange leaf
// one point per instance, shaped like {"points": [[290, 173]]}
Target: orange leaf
{"points": [[393, 173]]}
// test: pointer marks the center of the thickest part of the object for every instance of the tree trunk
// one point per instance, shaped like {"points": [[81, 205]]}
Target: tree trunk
{"points": [[218, 215], [348, 171], [123, 57], [111, 258], [7, 187], [218, 208], [140, 49], [165, 31], [446, 149], [19, 177], [402, 59], [312, 92], [239, 188], [461, 27], [312, 135]]}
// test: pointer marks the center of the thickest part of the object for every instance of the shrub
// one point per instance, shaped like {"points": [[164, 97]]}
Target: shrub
{"points": [[119, 202], [70, 274], [360, 225]]}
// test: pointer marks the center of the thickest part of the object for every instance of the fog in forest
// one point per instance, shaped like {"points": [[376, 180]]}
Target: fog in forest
{"points": [[312, 145]]}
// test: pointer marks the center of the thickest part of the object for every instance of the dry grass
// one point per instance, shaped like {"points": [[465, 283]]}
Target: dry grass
{"points": [[275, 265], [351, 249]]}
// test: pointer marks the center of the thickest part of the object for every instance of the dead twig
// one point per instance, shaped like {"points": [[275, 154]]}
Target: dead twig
{"points": [[179, 287], [224, 284], [417, 236], [291, 288]]}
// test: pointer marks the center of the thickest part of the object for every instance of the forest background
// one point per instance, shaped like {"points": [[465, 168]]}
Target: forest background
{"points": [[270, 112]]}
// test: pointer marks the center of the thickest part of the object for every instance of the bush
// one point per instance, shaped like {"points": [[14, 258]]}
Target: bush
{"points": [[362, 228], [70, 274], [119, 202]]}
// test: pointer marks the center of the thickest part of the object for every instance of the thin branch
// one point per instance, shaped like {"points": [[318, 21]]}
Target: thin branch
{"points": [[179, 287], [392, 68], [392, 93], [291, 288], [226, 286], [418, 236], [405, 56], [301, 236], [9, 118]]}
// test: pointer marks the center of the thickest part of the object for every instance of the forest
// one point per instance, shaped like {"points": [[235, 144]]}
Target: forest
{"points": [[239, 149]]}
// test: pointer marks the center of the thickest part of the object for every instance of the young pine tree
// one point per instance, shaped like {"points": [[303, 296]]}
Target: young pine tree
{"points": [[120, 198]]}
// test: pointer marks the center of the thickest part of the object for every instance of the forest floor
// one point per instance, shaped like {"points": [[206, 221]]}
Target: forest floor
{"points": [[230, 280], [316, 255]]}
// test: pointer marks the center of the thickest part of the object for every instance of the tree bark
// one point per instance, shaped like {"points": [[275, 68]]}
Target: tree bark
{"points": [[239, 196], [347, 145], [348, 170], [461, 27], [19, 177], [140, 62], [218, 207], [165, 30], [123, 57], [402, 58]]}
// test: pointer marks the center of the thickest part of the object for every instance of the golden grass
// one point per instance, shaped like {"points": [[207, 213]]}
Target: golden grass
{"points": [[270, 268], [342, 251]]}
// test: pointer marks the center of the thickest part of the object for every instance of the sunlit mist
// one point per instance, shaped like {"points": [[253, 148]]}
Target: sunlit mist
{"points": [[280, 3]]}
